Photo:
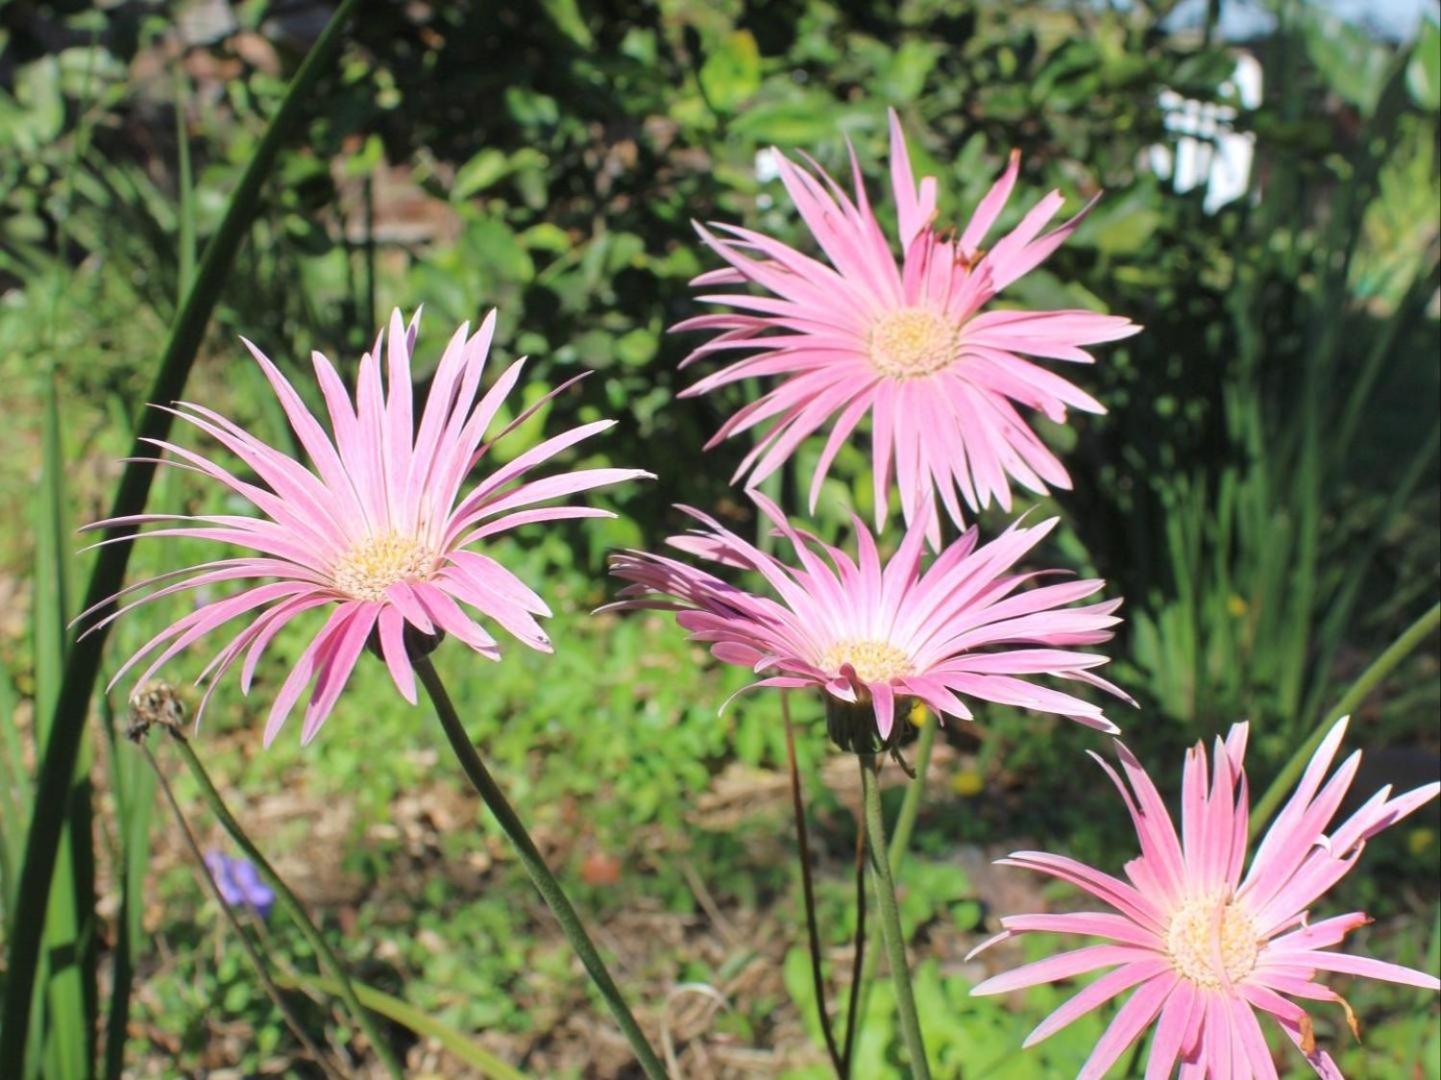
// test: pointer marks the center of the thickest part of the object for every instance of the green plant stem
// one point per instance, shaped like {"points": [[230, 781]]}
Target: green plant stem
{"points": [[900, 842], [545, 882], [1382, 666], [288, 900], [911, 803], [82, 662], [858, 961], [890, 916], [248, 946], [813, 935]]}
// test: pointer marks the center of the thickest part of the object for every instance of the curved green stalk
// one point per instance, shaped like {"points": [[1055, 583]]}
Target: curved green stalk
{"points": [[247, 946], [900, 841], [1382, 666], [540, 874], [859, 955], [911, 803], [82, 662], [813, 934], [288, 900], [890, 918], [401, 1012]]}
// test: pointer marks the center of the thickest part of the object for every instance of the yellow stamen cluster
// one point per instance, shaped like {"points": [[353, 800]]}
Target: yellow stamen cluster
{"points": [[874, 661], [1211, 936], [378, 562], [913, 342]]}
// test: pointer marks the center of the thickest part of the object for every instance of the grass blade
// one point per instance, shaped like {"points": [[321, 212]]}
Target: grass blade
{"points": [[134, 788], [1382, 666], [62, 744], [402, 1012], [134, 791], [14, 793], [68, 988]]}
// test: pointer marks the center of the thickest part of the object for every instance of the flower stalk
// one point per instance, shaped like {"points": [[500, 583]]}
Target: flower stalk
{"points": [[860, 959], [540, 874], [890, 919], [803, 850], [247, 946], [288, 900], [896, 850]]}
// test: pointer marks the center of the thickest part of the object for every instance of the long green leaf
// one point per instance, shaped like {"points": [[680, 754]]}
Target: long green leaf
{"points": [[68, 997], [134, 785], [14, 793], [393, 1008], [62, 745], [1382, 666]]}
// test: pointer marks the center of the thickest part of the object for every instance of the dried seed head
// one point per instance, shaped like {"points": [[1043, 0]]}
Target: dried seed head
{"points": [[154, 702]]}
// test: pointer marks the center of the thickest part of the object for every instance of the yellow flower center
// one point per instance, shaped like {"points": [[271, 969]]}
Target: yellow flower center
{"points": [[378, 562], [874, 661], [1209, 936], [912, 342]]}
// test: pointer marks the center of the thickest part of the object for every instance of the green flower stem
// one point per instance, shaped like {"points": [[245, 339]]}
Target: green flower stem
{"points": [[911, 804], [248, 946], [860, 957], [1382, 666], [813, 934], [545, 882], [900, 842], [890, 916], [288, 900], [82, 660]]}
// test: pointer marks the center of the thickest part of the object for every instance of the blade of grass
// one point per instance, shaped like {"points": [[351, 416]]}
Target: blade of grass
{"points": [[1382, 666], [68, 1017], [401, 1012], [14, 793], [1340, 617], [134, 787], [62, 745], [185, 183]]}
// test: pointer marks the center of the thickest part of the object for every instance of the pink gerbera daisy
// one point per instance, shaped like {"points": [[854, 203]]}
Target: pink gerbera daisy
{"points": [[908, 343], [377, 531], [1204, 946], [870, 634]]}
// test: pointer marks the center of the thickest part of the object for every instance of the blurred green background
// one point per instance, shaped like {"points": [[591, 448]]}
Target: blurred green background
{"points": [[1263, 491]]}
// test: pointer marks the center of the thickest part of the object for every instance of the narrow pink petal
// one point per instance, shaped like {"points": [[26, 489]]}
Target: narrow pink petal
{"points": [[1178, 1027], [300, 675], [1103, 990], [885, 702], [1125, 899], [1062, 966], [336, 668], [1135, 1015], [1369, 968], [989, 208], [391, 626], [1093, 924], [1251, 1043]]}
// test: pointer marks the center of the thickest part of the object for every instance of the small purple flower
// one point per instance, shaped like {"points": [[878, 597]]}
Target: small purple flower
{"points": [[239, 883]]}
